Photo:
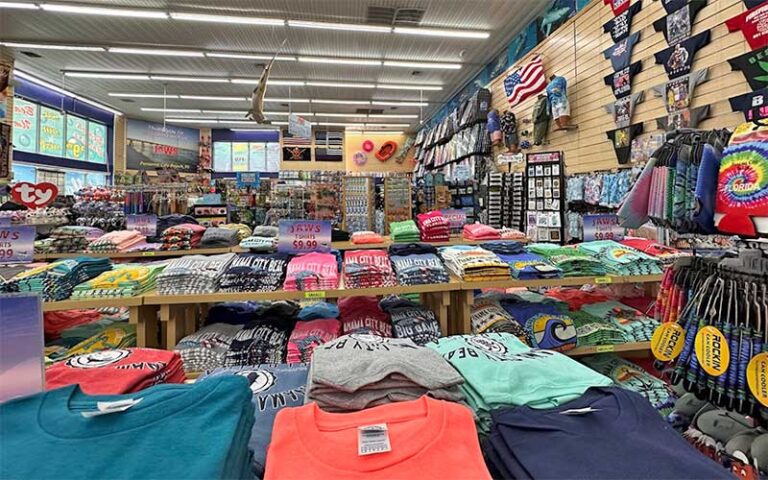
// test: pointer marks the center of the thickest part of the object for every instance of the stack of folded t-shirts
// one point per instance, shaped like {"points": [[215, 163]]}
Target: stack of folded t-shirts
{"points": [[274, 387], [54, 323], [235, 313], [366, 236], [318, 310], [511, 234], [118, 241], [368, 269], [591, 330], [488, 316], [127, 280], [168, 221], [404, 232], [73, 239], [265, 338], [417, 264], [478, 231], [636, 326], [356, 372], [312, 271], [182, 237], [45, 245], [307, 335], [205, 349], [434, 227], [263, 239], [218, 238], [116, 371], [243, 230], [193, 274], [662, 252], [529, 266], [571, 261], [542, 318], [622, 260], [254, 272], [504, 247], [499, 370], [411, 320], [104, 335], [363, 315], [474, 263], [55, 281]]}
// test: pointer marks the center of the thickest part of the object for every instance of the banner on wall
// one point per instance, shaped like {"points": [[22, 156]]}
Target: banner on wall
{"points": [[154, 145], [5, 150], [299, 127], [5, 91]]}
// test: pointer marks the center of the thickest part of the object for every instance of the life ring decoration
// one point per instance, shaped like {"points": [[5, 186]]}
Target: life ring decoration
{"points": [[386, 151], [368, 146], [360, 158]]}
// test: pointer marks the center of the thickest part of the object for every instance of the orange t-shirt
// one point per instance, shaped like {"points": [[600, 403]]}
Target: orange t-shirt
{"points": [[429, 439]]}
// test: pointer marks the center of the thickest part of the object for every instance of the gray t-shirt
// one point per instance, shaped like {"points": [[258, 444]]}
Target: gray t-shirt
{"points": [[623, 108], [688, 118], [678, 93]]}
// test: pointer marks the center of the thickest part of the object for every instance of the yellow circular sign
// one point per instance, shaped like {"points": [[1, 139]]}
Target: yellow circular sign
{"points": [[712, 351], [757, 377], [667, 341]]}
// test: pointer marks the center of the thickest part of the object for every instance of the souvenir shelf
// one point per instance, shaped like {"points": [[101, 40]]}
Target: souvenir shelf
{"points": [[358, 203], [397, 200]]}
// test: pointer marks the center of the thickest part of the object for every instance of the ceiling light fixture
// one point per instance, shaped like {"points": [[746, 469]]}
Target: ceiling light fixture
{"points": [[341, 115], [171, 78], [341, 102], [341, 85], [248, 56], [141, 95], [202, 17], [255, 81], [20, 5], [171, 110], [391, 115], [388, 103], [44, 46], [442, 32], [213, 97], [409, 87], [301, 114], [43, 83], [341, 61], [225, 112], [113, 76], [157, 51], [192, 120], [340, 26], [340, 124], [388, 125], [432, 65], [286, 100], [107, 11]]}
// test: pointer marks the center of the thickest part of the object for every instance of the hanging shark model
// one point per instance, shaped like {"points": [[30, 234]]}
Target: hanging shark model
{"points": [[256, 113]]}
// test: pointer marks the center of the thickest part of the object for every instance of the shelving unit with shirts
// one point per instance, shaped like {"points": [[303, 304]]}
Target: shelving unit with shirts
{"points": [[358, 202]]}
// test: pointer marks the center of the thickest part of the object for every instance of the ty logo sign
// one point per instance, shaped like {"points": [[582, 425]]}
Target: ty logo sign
{"points": [[34, 196]]}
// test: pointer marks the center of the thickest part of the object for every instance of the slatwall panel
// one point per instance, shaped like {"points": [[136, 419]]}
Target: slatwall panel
{"points": [[588, 149]]}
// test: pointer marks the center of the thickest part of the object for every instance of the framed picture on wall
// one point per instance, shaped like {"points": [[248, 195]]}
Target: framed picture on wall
{"points": [[297, 154]]}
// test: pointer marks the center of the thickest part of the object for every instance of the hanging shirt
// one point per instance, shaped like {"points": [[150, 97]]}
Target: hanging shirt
{"points": [[753, 3], [621, 81], [622, 141], [618, 6], [678, 93], [678, 60], [623, 108], [753, 25], [754, 105], [621, 53], [620, 26], [754, 67], [557, 91], [673, 5], [677, 25], [688, 118]]}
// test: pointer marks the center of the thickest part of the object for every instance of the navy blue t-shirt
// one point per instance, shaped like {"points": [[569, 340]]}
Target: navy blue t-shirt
{"points": [[754, 105], [753, 3], [678, 24], [673, 5], [621, 81], [623, 437], [620, 26], [621, 53], [678, 59]]}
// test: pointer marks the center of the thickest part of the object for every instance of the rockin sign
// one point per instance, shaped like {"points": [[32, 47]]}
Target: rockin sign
{"points": [[34, 195]]}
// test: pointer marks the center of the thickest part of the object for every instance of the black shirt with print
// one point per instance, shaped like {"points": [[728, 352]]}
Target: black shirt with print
{"points": [[621, 81], [753, 3], [678, 24], [678, 59], [754, 66], [621, 25], [673, 5], [622, 141], [754, 105]]}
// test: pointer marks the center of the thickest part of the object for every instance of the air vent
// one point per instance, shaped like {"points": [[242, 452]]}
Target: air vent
{"points": [[128, 100], [416, 73], [380, 15], [32, 54], [408, 16], [367, 111]]}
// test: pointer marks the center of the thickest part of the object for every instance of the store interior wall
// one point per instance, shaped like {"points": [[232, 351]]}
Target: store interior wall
{"points": [[353, 143], [7, 98], [588, 149]]}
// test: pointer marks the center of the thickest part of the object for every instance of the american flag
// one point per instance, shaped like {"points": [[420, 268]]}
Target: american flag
{"points": [[525, 81]]}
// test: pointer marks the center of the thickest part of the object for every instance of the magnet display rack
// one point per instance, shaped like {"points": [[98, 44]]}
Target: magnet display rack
{"points": [[358, 203], [545, 197], [397, 200]]}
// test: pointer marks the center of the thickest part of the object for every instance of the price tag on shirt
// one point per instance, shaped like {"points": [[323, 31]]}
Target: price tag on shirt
{"points": [[303, 236], [373, 439], [17, 244]]}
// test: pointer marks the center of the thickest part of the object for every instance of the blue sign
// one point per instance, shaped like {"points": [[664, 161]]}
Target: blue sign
{"points": [[248, 179], [602, 227], [21, 345], [303, 236], [17, 244], [210, 199]]}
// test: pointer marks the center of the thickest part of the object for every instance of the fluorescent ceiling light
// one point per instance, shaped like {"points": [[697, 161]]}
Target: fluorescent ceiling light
{"points": [[286, 100], [441, 32], [43, 46], [142, 95], [157, 51], [265, 127], [340, 61], [301, 114], [255, 81], [114, 76], [279, 123], [23, 6], [377, 132], [391, 115], [337, 124], [341, 85], [409, 87], [50, 86], [341, 115], [171, 110], [171, 78], [238, 122], [107, 11], [340, 26], [225, 112], [393, 103], [212, 97], [341, 102], [436, 65], [388, 125], [192, 120], [202, 17], [249, 56]]}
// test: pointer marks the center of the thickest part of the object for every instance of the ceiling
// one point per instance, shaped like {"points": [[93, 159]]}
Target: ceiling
{"points": [[499, 18]]}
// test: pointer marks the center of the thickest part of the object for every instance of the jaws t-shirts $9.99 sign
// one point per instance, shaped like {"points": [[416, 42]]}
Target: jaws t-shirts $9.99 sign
{"points": [[754, 66], [677, 25], [678, 59], [621, 53], [620, 26], [753, 25], [621, 81]]}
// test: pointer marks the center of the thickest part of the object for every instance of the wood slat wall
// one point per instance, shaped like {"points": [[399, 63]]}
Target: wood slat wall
{"points": [[575, 51]]}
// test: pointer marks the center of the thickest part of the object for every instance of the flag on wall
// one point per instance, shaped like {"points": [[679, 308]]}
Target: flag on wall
{"points": [[526, 81]]}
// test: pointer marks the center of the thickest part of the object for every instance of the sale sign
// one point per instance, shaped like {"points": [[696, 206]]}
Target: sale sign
{"points": [[17, 244], [602, 227], [302, 236], [34, 195]]}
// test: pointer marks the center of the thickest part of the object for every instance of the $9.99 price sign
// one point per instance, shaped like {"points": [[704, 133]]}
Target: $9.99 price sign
{"points": [[17, 244], [302, 236]]}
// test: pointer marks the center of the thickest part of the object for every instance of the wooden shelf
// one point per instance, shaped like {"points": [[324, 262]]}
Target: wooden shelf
{"points": [[149, 254], [618, 348], [91, 303], [560, 282]]}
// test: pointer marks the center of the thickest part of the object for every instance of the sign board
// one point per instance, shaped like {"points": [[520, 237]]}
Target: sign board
{"points": [[302, 236], [210, 199], [248, 179], [153, 145], [145, 224], [299, 126], [34, 195], [17, 244], [457, 218], [510, 158], [602, 227], [21, 345]]}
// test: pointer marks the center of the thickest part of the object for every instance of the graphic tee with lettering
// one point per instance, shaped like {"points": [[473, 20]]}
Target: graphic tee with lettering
{"points": [[622, 141], [618, 6], [677, 25], [688, 118], [754, 66], [754, 105], [673, 5], [623, 108], [620, 26], [621, 53], [678, 93], [753, 25], [677, 60], [621, 81]]}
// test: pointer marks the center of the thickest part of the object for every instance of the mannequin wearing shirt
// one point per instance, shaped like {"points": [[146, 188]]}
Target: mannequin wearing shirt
{"points": [[557, 91]]}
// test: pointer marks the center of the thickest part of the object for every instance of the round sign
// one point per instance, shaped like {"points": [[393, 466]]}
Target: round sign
{"points": [[757, 377], [667, 341], [712, 351]]}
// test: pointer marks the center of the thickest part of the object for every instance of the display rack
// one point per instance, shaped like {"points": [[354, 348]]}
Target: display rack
{"points": [[397, 200], [358, 203]]}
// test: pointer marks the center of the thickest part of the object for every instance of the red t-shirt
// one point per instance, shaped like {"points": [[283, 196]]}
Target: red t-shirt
{"points": [[753, 25], [618, 6]]}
